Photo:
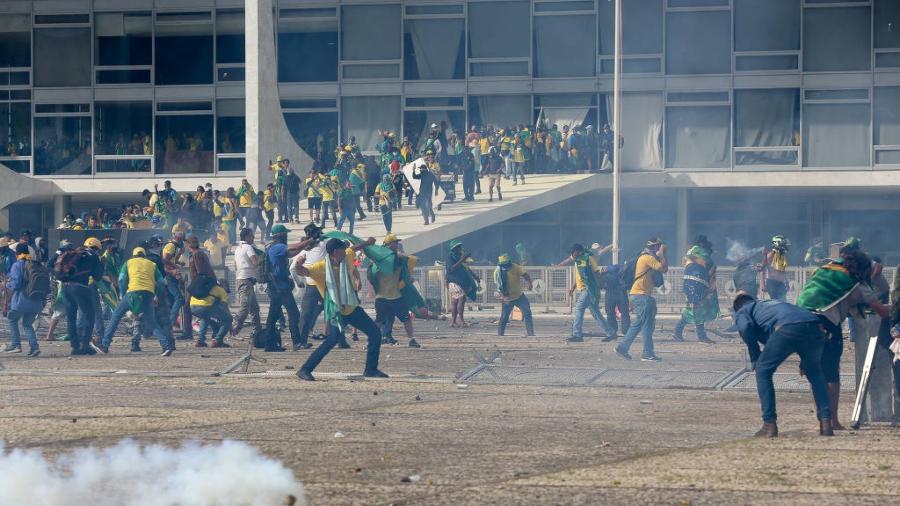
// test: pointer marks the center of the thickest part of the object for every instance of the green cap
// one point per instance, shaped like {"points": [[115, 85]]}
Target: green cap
{"points": [[454, 243], [279, 229]]}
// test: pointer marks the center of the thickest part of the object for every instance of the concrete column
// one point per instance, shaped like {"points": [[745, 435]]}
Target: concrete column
{"points": [[267, 133], [4, 219], [682, 222], [62, 204]]}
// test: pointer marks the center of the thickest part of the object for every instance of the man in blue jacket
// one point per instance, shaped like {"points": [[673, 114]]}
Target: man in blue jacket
{"points": [[22, 307]]}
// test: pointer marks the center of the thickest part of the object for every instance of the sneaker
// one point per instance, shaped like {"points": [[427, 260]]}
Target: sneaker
{"points": [[305, 375], [220, 344], [135, 348], [99, 348], [574, 339], [12, 349], [275, 349], [375, 374], [166, 353], [610, 338], [201, 344], [301, 346], [355, 336], [651, 358], [678, 337], [706, 340], [344, 345], [319, 337], [89, 349], [34, 353], [623, 354], [388, 340], [414, 344]]}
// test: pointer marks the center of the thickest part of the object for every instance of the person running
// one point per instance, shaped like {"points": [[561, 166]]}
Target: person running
{"points": [[75, 269], [246, 260], [172, 254], [139, 279], [586, 290], [281, 288], [312, 304], [461, 283], [493, 167], [700, 290], [334, 282], [648, 270], [428, 188], [387, 195], [508, 277], [24, 306], [389, 287], [784, 329]]}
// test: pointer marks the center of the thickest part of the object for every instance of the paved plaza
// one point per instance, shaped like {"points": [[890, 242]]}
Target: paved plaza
{"points": [[470, 418]]}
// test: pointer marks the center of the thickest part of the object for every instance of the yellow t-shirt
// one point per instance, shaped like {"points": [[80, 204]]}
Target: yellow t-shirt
{"points": [[169, 250], [246, 196], [216, 294], [643, 284], [389, 285], [317, 273], [325, 189], [183, 228], [579, 283], [485, 146], [312, 188], [269, 200], [513, 281]]}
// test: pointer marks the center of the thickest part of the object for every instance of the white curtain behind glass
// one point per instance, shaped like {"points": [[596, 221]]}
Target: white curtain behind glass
{"points": [[698, 137], [836, 135], [363, 117], [504, 110], [437, 43]]}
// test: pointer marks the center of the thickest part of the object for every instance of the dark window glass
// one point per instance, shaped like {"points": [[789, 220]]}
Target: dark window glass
{"points": [[572, 55], [766, 25], [837, 39], [62, 146], [309, 103], [49, 108], [183, 106], [15, 40], [642, 27], [108, 166], [434, 49], [232, 164], [184, 144], [370, 32], [52, 19], [230, 74], [230, 36], [315, 133], [307, 50], [62, 57], [20, 166], [123, 76], [123, 128], [693, 51], [231, 129], [887, 24], [499, 29], [124, 38], [184, 54], [15, 129]]}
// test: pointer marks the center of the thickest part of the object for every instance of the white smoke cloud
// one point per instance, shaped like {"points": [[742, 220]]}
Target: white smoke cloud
{"points": [[225, 474], [738, 251]]}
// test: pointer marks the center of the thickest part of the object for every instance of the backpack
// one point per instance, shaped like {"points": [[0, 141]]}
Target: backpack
{"points": [[627, 276], [66, 263], [201, 285], [37, 281], [265, 267]]}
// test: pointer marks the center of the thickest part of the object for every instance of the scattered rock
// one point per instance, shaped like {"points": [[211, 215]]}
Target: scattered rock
{"points": [[415, 478], [418, 398], [646, 401], [338, 435], [74, 420], [375, 392], [462, 386]]}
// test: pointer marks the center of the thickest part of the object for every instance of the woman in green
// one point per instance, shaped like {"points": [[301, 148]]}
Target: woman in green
{"points": [[700, 290]]}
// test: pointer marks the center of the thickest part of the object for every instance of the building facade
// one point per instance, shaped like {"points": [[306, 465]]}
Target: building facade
{"points": [[765, 96]]}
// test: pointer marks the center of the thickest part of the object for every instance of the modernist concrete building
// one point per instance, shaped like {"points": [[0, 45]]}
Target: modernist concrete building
{"points": [[741, 118]]}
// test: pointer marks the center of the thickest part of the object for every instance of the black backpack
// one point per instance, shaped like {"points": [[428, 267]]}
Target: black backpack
{"points": [[201, 285], [627, 276], [37, 281], [65, 268]]}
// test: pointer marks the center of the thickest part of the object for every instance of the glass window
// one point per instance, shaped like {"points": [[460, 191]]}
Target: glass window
{"points": [[434, 49], [836, 135], [123, 128], [20, 166], [238, 164], [571, 55], [62, 146], [641, 130], [15, 129], [369, 32], [698, 137], [364, 117], [765, 118], [836, 39], [123, 38], [184, 51], [307, 49], [15, 40], [887, 116], [642, 27], [417, 125], [315, 132], [62, 57], [231, 132], [108, 165], [230, 36], [372, 71], [693, 51], [184, 144], [123, 76], [501, 111], [490, 69], [499, 29], [887, 24], [766, 25]]}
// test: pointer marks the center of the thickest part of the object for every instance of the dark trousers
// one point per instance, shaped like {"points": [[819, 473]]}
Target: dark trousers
{"points": [[617, 298], [806, 340], [281, 298], [270, 220], [682, 324], [425, 205], [311, 306], [79, 298], [387, 215], [525, 306], [469, 185], [359, 209], [359, 320], [282, 210]]}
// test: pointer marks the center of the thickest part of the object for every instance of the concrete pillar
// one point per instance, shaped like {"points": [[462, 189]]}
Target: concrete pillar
{"points": [[4, 219], [267, 133], [62, 204], [682, 222]]}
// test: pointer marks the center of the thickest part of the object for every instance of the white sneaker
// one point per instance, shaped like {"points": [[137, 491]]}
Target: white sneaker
{"points": [[12, 349]]}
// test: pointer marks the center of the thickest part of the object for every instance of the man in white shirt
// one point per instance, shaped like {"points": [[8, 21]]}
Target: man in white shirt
{"points": [[246, 260], [311, 305]]}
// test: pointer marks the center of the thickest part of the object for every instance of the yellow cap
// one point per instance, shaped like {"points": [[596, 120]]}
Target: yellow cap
{"points": [[503, 259], [138, 252], [390, 239], [279, 158], [348, 148], [360, 166], [92, 242]]}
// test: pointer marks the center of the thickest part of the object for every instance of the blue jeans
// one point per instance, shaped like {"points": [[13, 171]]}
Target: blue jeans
{"points": [[644, 321], [583, 301], [98, 316], [806, 340], [293, 206], [177, 297], [146, 322], [348, 213], [218, 312], [27, 326], [326, 206]]}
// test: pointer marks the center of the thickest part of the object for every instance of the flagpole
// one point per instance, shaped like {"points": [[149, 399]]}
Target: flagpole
{"points": [[617, 123]]}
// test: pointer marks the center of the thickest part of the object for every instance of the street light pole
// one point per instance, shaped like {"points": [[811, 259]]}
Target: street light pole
{"points": [[617, 125]]}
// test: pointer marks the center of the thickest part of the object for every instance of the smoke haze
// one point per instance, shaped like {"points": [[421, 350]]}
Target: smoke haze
{"points": [[738, 251], [229, 473]]}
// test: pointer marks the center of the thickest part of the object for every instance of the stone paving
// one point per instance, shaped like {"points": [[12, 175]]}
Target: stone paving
{"points": [[462, 441]]}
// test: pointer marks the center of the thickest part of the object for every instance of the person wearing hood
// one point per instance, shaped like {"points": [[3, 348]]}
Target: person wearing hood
{"points": [[699, 289], [508, 277], [23, 307]]}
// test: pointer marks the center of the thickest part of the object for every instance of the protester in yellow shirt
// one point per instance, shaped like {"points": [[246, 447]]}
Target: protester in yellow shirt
{"points": [[269, 204], [245, 195], [212, 307], [508, 276], [647, 273], [313, 197], [326, 187]]}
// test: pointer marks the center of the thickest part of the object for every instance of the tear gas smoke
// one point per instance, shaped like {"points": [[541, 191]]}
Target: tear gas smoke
{"points": [[737, 251], [229, 473]]}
